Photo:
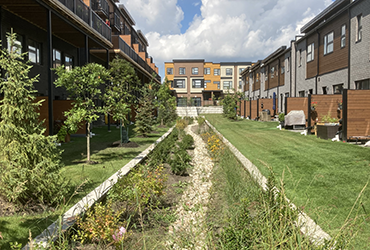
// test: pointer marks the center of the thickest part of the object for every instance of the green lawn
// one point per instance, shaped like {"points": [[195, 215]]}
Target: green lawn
{"points": [[110, 160], [322, 177]]}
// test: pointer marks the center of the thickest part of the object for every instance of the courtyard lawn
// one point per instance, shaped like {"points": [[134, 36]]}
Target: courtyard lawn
{"points": [[322, 178], [109, 160]]}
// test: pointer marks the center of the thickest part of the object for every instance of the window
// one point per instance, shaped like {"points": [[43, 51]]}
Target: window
{"points": [[300, 58], [196, 101], [207, 71], [272, 72], [57, 58], [282, 70], [226, 85], [182, 71], [169, 71], [310, 52], [229, 72], [338, 89], [17, 46], [216, 72], [310, 91], [364, 84], [287, 64], [240, 70], [68, 62], [301, 93], [198, 83], [218, 84], [343, 36], [324, 90], [359, 28], [179, 83], [34, 49], [328, 43], [194, 71], [182, 101], [205, 83], [240, 84]]}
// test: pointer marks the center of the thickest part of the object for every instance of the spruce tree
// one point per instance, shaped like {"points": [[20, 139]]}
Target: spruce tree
{"points": [[144, 114], [29, 161]]}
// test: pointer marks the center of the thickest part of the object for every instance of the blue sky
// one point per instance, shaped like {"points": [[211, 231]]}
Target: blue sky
{"points": [[219, 30], [190, 8]]}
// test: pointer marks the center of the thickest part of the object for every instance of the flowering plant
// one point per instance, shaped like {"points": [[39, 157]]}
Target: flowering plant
{"points": [[313, 104]]}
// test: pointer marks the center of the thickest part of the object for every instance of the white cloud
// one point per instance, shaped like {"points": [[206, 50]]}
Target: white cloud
{"points": [[227, 30]]}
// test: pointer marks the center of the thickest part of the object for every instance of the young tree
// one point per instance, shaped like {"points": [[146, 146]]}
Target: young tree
{"points": [[166, 104], [144, 114], [230, 105], [29, 161], [84, 84], [119, 94]]}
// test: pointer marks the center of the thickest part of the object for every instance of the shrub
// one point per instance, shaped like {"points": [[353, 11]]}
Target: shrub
{"points": [[201, 120], [180, 162], [186, 143]]}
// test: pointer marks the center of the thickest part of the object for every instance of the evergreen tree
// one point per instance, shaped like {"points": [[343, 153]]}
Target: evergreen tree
{"points": [[144, 115], [29, 161], [84, 84], [166, 104]]}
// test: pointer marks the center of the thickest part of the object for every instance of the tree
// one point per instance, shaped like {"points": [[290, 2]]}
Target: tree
{"points": [[230, 105], [119, 94], [166, 104], [84, 84], [144, 114], [29, 161]]}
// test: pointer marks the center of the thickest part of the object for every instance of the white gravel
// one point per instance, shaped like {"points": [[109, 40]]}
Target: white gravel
{"points": [[188, 232]]}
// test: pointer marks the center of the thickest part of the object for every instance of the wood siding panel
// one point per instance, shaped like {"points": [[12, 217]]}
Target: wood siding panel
{"points": [[298, 103], [326, 105], [268, 104], [242, 109], [273, 82], [311, 68], [247, 108], [358, 109], [338, 59]]}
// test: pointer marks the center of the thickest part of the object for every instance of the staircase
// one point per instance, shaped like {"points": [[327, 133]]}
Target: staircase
{"points": [[195, 111]]}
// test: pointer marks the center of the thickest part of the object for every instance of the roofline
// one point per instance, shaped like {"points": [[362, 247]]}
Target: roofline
{"points": [[126, 14], [141, 35], [187, 60], [322, 14], [274, 54]]}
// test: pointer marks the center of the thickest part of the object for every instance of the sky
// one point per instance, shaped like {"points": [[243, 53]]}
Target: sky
{"points": [[219, 30]]}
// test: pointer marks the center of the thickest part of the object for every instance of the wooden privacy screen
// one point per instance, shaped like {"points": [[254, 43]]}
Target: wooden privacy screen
{"points": [[242, 108], [358, 113], [297, 103], [254, 109], [326, 105], [247, 108], [268, 104]]}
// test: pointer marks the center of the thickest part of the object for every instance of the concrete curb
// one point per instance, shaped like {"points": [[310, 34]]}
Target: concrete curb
{"points": [[69, 218], [307, 226]]}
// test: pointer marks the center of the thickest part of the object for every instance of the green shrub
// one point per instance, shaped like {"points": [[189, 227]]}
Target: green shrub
{"points": [[186, 143], [201, 120], [180, 162]]}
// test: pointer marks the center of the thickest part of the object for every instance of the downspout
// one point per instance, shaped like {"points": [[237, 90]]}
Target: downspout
{"points": [[277, 91], [349, 49], [317, 64]]}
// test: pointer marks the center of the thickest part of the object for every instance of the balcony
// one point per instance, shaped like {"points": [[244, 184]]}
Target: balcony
{"points": [[83, 11], [116, 22], [100, 7], [125, 48]]}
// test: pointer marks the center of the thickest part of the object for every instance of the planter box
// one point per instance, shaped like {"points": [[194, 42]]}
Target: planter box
{"points": [[327, 131]]}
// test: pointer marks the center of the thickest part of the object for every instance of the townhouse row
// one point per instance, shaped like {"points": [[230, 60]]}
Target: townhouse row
{"points": [[199, 83], [73, 33], [332, 54]]}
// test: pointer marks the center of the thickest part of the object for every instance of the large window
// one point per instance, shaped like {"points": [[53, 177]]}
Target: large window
{"points": [[34, 49], [272, 72], [229, 72], [57, 58], [359, 28], [218, 84], [216, 72], [182, 101], [338, 89], [169, 71], [343, 36], [226, 85], [68, 62], [282, 70], [328, 43], [198, 83], [240, 84], [207, 71], [194, 71], [310, 52], [364, 84], [179, 83], [240, 70], [196, 101], [287, 64], [182, 71], [301, 93]]}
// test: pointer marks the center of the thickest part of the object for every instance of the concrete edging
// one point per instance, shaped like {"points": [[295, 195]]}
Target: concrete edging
{"points": [[69, 217], [307, 226]]}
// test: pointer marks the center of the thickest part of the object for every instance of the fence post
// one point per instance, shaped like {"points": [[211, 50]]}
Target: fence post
{"points": [[286, 105], [258, 103], [344, 114], [309, 114]]}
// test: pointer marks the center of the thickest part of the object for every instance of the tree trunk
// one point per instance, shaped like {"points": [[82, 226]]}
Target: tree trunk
{"points": [[88, 142], [162, 122]]}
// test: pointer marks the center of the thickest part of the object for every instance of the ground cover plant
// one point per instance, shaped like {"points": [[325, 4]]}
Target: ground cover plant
{"points": [[109, 160], [322, 178]]}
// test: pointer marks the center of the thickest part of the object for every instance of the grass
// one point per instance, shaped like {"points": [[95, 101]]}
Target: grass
{"points": [[110, 160], [322, 178]]}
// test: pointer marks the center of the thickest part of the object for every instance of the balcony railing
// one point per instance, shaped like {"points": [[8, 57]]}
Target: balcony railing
{"points": [[100, 6], [116, 21], [88, 16], [125, 48]]}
